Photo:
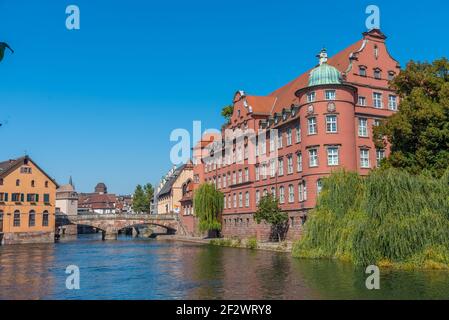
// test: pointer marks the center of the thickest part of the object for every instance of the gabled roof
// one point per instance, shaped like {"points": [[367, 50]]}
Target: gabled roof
{"points": [[6, 167]]}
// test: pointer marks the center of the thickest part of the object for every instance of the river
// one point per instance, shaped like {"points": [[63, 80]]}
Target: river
{"points": [[149, 269]]}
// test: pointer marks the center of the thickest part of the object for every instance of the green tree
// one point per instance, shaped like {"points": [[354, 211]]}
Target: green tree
{"points": [[142, 198], [139, 199], [227, 112], [269, 211], [419, 131], [149, 194], [208, 203]]}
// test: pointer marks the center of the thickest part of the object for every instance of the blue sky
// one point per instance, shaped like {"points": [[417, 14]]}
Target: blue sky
{"points": [[100, 103]]}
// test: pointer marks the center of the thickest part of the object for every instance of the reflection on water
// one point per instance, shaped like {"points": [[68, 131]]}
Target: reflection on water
{"points": [[147, 269]]}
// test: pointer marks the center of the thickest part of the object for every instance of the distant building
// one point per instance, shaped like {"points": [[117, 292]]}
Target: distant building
{"points": [[124, 204], [27, 202], [98, 202], [67, 205], [67, 199]]}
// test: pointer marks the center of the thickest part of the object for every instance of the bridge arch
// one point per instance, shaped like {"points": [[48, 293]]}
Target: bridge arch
{"points": [[111, 224]]}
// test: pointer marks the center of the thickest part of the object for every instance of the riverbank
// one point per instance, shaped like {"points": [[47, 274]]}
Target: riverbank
{"points": [[251, 244]]}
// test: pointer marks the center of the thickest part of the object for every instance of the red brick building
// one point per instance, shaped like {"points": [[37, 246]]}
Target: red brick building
{"points": [[320, 122]]}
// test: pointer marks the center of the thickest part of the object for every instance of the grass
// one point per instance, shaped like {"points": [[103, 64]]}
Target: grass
{"points": [[390, 218]]}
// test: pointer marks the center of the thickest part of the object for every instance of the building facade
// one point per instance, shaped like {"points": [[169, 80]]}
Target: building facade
{"points": [[27, 203], [170, 190], [283, 144]]}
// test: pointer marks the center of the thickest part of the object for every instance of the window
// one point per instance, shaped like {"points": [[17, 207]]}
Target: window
{"points": [[362, 101], [331, 124], [298, 133], [311, 97], [225, 201], [25, 170], [3, 197], [240, 176], [32, 218], [319, 186], [273, 192], [16, 222], [235, 200], [362, 71], [247, 199], [229, 202], [290, 164], [313, 158], [31, 197], [224, 181], [240, 200], [281, 195], [391, 75], [272, 141], [234, 177], [291, 194], [392, 102], [302, 191], [229, 178], [289, 136], [32, 184], [363, 127], [45, 219], [332, 156], [264, 171], [1, 221], [265, 192], [280, 139], [364, 158], [263, 146], [257, 173], [312, 128], [246, 174], [299, 162], [257, 197], [377, 99], [17, 182], [281, 166], [272, 168], [1, 181], [377, 74], [219, 182], [330, 94], [380, 155]]}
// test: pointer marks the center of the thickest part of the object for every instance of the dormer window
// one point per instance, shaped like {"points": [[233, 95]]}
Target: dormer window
{"points": [[391, 75], [362, 71], [377, 74]]}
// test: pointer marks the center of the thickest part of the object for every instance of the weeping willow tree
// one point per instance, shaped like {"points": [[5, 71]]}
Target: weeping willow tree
{"points": [[390, 218], [208, 203]]}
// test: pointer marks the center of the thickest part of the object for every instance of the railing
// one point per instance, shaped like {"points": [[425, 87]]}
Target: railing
{"points": [[122, 217]]}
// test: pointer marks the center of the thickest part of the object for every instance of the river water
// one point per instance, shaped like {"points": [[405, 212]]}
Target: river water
{"points": [[148, 269]]}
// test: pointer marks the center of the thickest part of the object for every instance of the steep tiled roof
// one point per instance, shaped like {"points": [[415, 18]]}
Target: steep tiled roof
{"points": [[260, 104], [285, 96], [9, 165], [166, 189]]}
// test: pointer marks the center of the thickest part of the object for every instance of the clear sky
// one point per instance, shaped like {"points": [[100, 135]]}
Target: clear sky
{"points": [[100, 103]]}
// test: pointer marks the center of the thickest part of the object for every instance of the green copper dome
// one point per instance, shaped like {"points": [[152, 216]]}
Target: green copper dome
{"points": [[324, 73]]}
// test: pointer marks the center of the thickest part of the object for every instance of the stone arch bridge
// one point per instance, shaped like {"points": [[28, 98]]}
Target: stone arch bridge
{"points": [[111, 224]]}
